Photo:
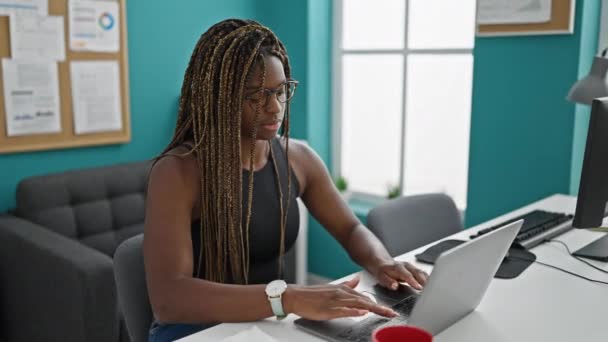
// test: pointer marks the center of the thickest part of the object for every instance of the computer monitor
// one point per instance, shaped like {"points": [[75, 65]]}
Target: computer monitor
{"points": [[593, 187]]}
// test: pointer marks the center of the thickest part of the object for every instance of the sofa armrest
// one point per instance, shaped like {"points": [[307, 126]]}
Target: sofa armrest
{"points": [[53, 288]]}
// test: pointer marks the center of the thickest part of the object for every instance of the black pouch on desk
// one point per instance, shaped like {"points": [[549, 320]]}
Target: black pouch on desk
{"points": [[432, 253], [516, 261]]}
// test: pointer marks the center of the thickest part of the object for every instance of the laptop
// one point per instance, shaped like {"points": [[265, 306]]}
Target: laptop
{"points": [[454, 289]]}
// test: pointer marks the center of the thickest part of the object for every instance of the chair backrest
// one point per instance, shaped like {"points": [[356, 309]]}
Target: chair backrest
{"points": [[406, 223], [130, 279]]}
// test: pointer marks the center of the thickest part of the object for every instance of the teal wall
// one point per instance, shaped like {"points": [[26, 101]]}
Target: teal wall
{"points": [[319, 40], [588, 49], [161, 39], [326, 256], [522, 126], [305, 27], [288, 20]]}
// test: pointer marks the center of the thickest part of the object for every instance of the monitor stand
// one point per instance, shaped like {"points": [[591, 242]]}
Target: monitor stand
{"points": [[596, 250]]}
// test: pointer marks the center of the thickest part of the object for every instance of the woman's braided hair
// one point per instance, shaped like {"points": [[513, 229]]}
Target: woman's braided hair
{"points": [[210, 109]]}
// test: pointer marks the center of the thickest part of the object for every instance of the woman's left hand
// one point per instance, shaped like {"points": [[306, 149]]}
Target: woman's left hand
{"points": [[390, 273]]}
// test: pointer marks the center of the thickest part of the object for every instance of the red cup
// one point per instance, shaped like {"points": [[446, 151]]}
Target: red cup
{"points": [[402, 333]]}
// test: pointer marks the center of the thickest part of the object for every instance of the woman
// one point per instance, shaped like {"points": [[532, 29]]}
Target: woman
{"points": [[221, 206]]}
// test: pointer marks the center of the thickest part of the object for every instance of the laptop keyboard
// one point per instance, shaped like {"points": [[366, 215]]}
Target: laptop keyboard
{"points": [[362, 332], [404, 308]]}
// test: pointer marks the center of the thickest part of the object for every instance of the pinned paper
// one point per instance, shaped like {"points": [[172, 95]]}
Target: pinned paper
{"points": [[513, 11], [8, 7], [96, 96], [31, 97], [36, 37], [94, 25]]}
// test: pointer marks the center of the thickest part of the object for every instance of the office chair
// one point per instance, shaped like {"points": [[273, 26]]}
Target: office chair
{"points": [[406, 223], [131, 286], [132, 291]]}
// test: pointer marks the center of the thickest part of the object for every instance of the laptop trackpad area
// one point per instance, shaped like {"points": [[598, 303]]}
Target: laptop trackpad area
{"points": [[401, 300], [388, 297]]}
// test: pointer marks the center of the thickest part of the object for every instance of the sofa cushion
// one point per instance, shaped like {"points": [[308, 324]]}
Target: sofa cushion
{"points": [[94, 205], [107, 242]]}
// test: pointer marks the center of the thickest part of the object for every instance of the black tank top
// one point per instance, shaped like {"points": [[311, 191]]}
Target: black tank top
{"points": [[264, 228]]}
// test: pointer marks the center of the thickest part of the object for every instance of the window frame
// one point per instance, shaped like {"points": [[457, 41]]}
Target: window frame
{"points": [[603, 36], [337, 53]]}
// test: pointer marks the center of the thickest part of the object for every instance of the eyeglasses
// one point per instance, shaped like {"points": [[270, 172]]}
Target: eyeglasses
{"points": [[284, 93]]}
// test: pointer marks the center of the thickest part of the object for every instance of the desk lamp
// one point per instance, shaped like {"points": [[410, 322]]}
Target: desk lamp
{"points": [[593, 85]]}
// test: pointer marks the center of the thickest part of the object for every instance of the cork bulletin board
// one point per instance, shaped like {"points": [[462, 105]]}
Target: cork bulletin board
{"points": [[561, 22], [67, 137]]}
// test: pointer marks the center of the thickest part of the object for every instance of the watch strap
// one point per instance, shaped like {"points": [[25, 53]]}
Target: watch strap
{"points": [[277, 306]]}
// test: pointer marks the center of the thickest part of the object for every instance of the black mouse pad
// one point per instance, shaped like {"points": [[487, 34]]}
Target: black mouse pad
{"points": [[516, 261], [432, 253]]}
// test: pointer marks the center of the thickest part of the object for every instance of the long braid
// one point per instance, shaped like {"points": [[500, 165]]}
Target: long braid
{"points": [[254, 134], [245, 242], [282, 55], [209, 113]]}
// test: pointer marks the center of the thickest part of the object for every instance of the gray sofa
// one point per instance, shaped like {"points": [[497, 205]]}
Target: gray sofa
{"points": [[56, 248]]}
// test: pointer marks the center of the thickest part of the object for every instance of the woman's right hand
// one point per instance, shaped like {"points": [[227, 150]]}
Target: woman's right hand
{"points": [[325, 302]]}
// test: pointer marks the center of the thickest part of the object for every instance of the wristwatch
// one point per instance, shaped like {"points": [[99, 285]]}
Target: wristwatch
{"points": [[274, 291]]}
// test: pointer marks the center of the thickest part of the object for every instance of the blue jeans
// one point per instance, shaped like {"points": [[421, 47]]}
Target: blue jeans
{"points": [[170, 332]]}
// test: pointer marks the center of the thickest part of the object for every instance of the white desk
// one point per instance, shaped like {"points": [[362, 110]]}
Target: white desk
{"points": [[542, 304]]}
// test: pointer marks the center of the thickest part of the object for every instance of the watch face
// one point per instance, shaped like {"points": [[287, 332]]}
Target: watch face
{"points": [[276, 288]]}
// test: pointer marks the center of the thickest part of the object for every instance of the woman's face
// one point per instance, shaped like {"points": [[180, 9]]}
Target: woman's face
{"points": [[266, 97]]}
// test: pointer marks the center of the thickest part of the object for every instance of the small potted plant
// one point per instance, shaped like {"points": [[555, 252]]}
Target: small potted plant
{"points": [[393, 191], [342, 186]]}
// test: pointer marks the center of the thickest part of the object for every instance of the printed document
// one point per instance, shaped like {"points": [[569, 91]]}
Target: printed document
{"points": [[96, 96], [31, 97]]}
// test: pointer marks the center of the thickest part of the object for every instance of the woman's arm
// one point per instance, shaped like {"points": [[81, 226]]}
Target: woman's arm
{"points": [[327, 206], [178, 297]]}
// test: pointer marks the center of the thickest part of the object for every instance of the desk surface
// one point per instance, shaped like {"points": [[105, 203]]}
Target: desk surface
{"points": [[542, 304]]}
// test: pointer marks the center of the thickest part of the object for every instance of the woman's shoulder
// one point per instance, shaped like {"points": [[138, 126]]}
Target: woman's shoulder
{"points": [[300, 151], [305, 162], [178, 165], [297, 148]]}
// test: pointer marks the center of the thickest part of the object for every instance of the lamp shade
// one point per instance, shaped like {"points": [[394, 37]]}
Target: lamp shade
{"points": [[593, 85]]}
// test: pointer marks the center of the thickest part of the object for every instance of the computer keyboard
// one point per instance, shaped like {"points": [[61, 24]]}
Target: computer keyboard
{"points": [[539, 225]]}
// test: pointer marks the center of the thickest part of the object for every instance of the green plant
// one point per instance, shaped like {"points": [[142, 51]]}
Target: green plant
{"points": [[341, 184], [393, 191]]}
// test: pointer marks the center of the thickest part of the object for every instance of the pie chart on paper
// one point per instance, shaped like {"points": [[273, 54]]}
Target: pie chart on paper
{"points": [[106, 21]]}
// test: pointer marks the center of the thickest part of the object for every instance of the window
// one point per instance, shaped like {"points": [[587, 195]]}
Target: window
{"points": [[603, 38], [402, 95]]}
